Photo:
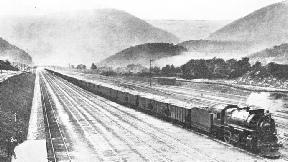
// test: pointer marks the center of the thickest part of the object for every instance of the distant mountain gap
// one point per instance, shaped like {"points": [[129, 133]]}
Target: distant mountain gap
{"points": [[80, 36]]}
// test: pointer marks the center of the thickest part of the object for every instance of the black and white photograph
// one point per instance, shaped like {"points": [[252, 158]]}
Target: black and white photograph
{"points": [[143, 80]]}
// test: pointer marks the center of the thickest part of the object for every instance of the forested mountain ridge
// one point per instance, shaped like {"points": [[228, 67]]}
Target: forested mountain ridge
{"points": [[278, 54], [266, 26], [215, 46], [80, 36], [141, 54], [13, 53]]}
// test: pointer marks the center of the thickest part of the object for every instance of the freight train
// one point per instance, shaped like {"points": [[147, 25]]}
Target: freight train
{"points": [[246, 127]]}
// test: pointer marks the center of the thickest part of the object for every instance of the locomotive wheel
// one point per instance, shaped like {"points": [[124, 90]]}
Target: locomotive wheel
{"points": [[214, 133], [237, 139], [251, 146], [227, 137]]}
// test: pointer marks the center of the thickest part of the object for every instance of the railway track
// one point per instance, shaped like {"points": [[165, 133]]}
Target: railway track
{"points": [[189, 96], [126, 135], [283, 111], [195, 96], [135, 122], [57, 147], [107, 111], [283, 126], [81, 115], [174, 88], [171, 89], [284, 140], [282, 119]]}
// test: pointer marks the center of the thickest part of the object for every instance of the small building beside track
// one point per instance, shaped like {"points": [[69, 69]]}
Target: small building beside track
{"points": [[166, 80]]}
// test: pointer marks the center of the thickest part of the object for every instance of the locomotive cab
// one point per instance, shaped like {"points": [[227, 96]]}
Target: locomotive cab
{"points": [[219, 118]]}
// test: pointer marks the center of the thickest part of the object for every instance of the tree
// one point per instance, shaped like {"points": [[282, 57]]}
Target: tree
{"points": [[178, 70], [166, 70], [81, 66], [155, 70], [187, 69], [172, 70], [244, 65], [93, 66], [201, 69]]}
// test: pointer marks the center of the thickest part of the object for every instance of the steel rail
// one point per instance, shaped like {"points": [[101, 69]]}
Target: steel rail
{"points": [[57, 122]]}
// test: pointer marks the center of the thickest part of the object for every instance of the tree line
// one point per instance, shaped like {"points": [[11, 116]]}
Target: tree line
{"points": [[211, 68], [6, 65], [197, 68], [215, 68], [81, 66]]}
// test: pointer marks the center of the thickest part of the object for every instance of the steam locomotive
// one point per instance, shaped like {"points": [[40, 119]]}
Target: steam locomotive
{"points": [[245, 127], [251, 128]]}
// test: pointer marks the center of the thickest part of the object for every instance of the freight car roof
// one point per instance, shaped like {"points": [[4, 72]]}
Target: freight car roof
{"points": [[174, 102], [149, 96], [183, 104]]}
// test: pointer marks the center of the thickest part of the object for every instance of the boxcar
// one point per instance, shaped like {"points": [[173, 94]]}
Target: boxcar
{"points": [[133, 99], [96, 89], [114, 94], [69, 79], [74, 81], [82, 83], [90, 86], [79, 82], [105, 91], [145, 103], [160, 107], [87, 84], [180, 112], [122, 97]]}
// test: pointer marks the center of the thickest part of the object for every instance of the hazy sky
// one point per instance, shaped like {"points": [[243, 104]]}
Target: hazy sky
{"points": [[144, 9]]}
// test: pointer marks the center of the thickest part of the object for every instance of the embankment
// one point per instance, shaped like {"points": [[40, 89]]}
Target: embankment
{"points": [[16, 95]]}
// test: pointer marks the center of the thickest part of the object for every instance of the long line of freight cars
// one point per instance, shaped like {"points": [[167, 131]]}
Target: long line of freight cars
{"points": [[167, 109], [253, 129]]}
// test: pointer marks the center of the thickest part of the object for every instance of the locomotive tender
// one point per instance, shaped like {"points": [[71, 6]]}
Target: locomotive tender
{"points": [[246, 127]]}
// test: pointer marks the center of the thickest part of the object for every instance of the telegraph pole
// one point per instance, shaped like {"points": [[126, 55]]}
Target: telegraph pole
{"points": [[150, 72]]}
